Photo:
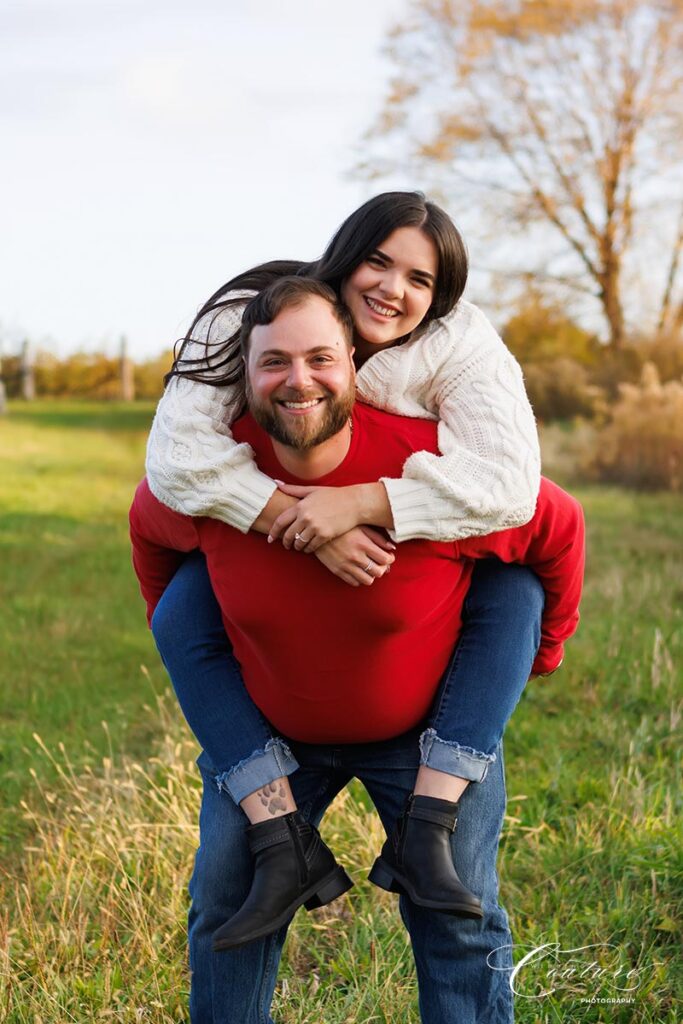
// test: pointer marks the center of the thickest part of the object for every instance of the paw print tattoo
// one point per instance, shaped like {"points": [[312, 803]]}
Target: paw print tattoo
{"points": [[272, 797]]}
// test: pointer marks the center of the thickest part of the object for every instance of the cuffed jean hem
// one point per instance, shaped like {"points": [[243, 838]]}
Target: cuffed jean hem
{"points": [[260, 768], [450, 757]]}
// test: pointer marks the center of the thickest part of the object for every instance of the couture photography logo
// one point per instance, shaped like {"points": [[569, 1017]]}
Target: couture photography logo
{"points": [[595, 973]]}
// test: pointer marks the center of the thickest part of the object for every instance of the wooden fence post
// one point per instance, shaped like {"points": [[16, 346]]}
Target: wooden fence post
{"points": [[126, 373], [28, 380]]}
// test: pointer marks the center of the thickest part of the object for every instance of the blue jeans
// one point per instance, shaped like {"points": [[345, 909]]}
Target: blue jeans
{"points": [[462, 965], [479, 691]]}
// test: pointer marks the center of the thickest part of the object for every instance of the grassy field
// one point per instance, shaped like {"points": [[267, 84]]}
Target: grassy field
{"points": [[98, 823], [71, 635]]}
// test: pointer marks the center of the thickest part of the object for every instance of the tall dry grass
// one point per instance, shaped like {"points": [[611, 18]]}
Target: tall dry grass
{"points": [[95, 921], [642, 443]]}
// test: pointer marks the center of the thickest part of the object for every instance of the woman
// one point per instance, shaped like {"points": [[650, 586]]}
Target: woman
{"points": [[400, 266]]}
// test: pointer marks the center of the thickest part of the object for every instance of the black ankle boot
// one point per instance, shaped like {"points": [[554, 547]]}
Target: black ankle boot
{"points": [[292, 865], [416, 859]]}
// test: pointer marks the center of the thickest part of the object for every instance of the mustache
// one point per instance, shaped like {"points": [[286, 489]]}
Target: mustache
{"points": [[289, 395]]}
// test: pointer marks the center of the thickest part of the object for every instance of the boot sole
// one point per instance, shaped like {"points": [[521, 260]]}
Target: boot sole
{"points": [[318, 895], [386, 877]]}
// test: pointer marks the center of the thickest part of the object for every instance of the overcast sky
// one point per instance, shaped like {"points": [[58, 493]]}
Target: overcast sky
{"points": [[152, 150]]}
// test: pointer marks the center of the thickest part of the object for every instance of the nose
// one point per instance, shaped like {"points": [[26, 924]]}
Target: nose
{"points": [[299, 376], [391, 284]]}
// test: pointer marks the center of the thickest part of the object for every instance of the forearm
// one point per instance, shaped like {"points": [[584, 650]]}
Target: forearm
{"points": [[276, 505]]}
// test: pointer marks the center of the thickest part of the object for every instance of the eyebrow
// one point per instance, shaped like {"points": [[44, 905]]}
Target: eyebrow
{"points": [[415, 270], [309, 351]]}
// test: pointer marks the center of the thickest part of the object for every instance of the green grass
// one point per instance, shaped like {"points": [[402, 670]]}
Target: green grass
{"points": [[71, 633], [592, 851]]}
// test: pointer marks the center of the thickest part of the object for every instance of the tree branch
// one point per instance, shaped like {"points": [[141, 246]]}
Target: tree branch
{"points": [[665, 310], [543, 201]]}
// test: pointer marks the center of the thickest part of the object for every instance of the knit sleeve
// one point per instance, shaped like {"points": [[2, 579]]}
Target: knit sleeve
{"points": [[488, 473], [194, 465]]}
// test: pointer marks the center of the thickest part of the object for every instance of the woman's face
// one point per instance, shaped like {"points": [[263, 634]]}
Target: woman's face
{"points": [[389, 293]]}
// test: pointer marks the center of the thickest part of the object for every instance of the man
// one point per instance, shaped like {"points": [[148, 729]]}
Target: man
{"points": [[346, 675]]}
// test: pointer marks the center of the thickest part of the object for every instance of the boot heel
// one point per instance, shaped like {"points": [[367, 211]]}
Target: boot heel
{"points": [[330, 890], [383, 878]]}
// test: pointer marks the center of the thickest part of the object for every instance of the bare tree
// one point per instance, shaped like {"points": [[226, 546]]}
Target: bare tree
{"points": [[564, 120]]}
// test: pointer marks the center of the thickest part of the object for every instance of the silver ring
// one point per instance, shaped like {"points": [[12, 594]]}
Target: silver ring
{"points": [[297, 536], [368, 566]]}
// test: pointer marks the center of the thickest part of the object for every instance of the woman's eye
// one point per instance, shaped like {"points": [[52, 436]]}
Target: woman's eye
{"points": [[377, 261]]}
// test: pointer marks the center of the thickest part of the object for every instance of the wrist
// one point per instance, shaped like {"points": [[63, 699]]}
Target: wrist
{"points": [[277, 503], [373, 505]]}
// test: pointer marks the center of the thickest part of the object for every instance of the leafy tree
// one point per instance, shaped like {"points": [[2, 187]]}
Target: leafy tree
{"points": [[556, 121]]}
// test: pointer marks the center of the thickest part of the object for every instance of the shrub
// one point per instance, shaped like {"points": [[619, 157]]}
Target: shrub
{"points": [[540, 330], [625, 365], [560, 389], [641, 445]]}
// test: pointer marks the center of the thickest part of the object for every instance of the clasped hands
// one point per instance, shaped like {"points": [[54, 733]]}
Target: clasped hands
{"points": [[331, 523]]}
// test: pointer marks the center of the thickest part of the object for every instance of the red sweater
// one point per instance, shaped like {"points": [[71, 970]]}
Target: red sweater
{"points": [[329, 663]]}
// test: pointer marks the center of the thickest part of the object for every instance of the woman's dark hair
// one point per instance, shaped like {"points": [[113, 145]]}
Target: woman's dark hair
{"points": [[359, 235], [289, 293]]}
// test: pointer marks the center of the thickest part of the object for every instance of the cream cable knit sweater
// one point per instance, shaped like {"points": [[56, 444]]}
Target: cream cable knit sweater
{"points": [[458, 372]]}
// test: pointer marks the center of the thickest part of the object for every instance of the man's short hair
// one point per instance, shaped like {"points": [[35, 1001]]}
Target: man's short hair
{"points": [[288, 293]]}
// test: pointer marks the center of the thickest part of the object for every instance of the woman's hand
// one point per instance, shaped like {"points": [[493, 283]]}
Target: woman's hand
{"points": [[359, 557], [323, 513]]}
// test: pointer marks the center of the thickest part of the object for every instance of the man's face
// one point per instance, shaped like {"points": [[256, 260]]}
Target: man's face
{"points": [[300, 375]]}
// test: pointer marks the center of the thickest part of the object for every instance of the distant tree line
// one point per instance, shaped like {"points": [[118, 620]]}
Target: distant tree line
{"points": [[84, 375]]}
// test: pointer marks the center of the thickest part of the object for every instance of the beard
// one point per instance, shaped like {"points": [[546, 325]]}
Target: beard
{"points": [[303, 432]]}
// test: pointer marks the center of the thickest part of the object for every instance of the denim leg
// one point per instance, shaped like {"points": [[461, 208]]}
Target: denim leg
{"points": [[463, 966], [189, 633], [236, 987], [489, 670]]}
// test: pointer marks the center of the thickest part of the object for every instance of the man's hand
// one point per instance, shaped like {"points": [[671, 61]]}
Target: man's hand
{"points": [[323, 513], [359, 557]]}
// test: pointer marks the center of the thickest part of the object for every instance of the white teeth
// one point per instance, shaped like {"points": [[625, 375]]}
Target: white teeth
{"points": [[375, 306], [301, 405]]}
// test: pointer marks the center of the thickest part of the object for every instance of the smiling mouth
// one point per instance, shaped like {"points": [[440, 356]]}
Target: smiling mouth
{"points": [[386, 311], [300, 406]]}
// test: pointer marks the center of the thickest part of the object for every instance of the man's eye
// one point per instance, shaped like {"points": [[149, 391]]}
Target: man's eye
{"points": [[273, 362]]}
